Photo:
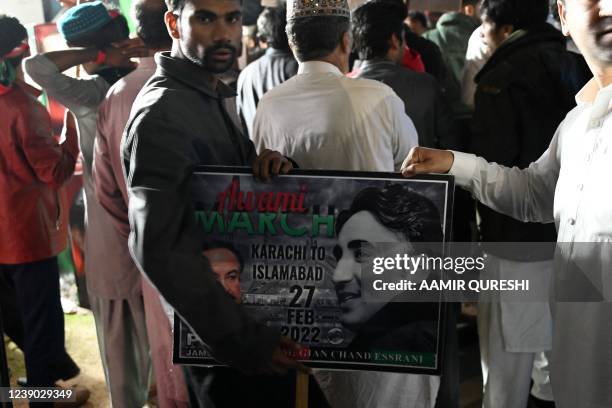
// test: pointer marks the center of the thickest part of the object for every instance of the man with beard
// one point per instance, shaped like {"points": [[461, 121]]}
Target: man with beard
{"points": [[524, 91], [178, 122], [568, 185]]}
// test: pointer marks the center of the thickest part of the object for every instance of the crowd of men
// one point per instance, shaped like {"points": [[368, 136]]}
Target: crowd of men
{"points": [[370, 87]]}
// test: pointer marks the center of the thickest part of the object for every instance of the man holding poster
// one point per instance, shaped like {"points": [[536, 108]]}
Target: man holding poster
{"points": [[569, 185], [343, 124], [178, 121]]}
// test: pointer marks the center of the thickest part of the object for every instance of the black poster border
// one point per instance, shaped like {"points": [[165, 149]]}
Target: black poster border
{"points": [[339, 366]]}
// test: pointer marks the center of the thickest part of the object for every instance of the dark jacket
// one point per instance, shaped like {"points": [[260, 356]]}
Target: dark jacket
{"points": [[436, 66], [430, 54], [269, 71], [423, 101], [178, 122], [524, 92]]}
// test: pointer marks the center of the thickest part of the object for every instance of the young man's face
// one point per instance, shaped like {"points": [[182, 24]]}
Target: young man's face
{"points": [[211, 32], [226, 267], [492, 35], [357, 244], [416, 26], [589, 22]]}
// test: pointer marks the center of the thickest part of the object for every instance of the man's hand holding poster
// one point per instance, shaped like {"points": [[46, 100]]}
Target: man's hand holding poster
{"points": [[295, 253]]}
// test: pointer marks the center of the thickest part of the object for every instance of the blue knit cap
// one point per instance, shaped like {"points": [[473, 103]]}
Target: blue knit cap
{"points": [[83, 19]]}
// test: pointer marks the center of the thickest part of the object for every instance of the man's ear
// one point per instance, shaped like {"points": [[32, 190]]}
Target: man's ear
{"points": [[469, 10], [507, 30], [395, 43], [561, 9], [171, 20], [346, 45]]}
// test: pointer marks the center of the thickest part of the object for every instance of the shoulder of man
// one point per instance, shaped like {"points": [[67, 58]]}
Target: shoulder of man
{"points": [[164, 98], [280, 91], [422, 80], [371, 87]]}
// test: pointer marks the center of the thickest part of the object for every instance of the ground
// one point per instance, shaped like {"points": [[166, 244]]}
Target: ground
{"points": [[81, 342]]}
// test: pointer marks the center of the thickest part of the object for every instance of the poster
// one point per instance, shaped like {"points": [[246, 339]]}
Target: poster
{"points": [[291, 251]]}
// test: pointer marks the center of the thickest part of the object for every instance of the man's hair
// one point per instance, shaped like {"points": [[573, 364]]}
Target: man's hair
{"points": [[12, 33], [312, 38], [271, 25], [212, 245], [518, 13], [465, 3], [419, 16], [151, 27], [400, 210], [373, 25], [115, 31], [177, 5]]}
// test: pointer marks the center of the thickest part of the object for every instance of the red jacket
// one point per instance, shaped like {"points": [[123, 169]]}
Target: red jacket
{"points": [[33, 167]]}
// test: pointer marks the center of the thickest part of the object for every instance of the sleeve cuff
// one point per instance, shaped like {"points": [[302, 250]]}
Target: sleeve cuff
{"points": [[464, 167]]}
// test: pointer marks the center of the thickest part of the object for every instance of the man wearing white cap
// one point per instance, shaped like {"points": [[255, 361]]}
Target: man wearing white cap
{"points": [[322, 119], [325, 120]]}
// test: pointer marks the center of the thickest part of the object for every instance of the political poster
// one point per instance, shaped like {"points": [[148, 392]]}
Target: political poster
{"points": [[293, 252]]}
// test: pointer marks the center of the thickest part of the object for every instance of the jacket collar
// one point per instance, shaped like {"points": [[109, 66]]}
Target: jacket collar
{"points": [[318, 67], [377, 63], [191, 75]]}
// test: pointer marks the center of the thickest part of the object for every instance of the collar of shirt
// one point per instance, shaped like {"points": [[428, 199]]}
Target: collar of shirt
{"points": [[600, 99], [192, 75], [147, 63], [318, 67], [276, 51], [377, 63]]}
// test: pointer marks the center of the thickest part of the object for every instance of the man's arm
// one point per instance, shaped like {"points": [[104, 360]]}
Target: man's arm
{"points": [[167, 247], [526, 195], [52, 163], [46, 70], [74, 94]]}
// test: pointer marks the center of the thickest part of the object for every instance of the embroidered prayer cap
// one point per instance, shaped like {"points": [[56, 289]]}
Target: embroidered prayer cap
{"points": [[83, 19], [313, 8]]}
